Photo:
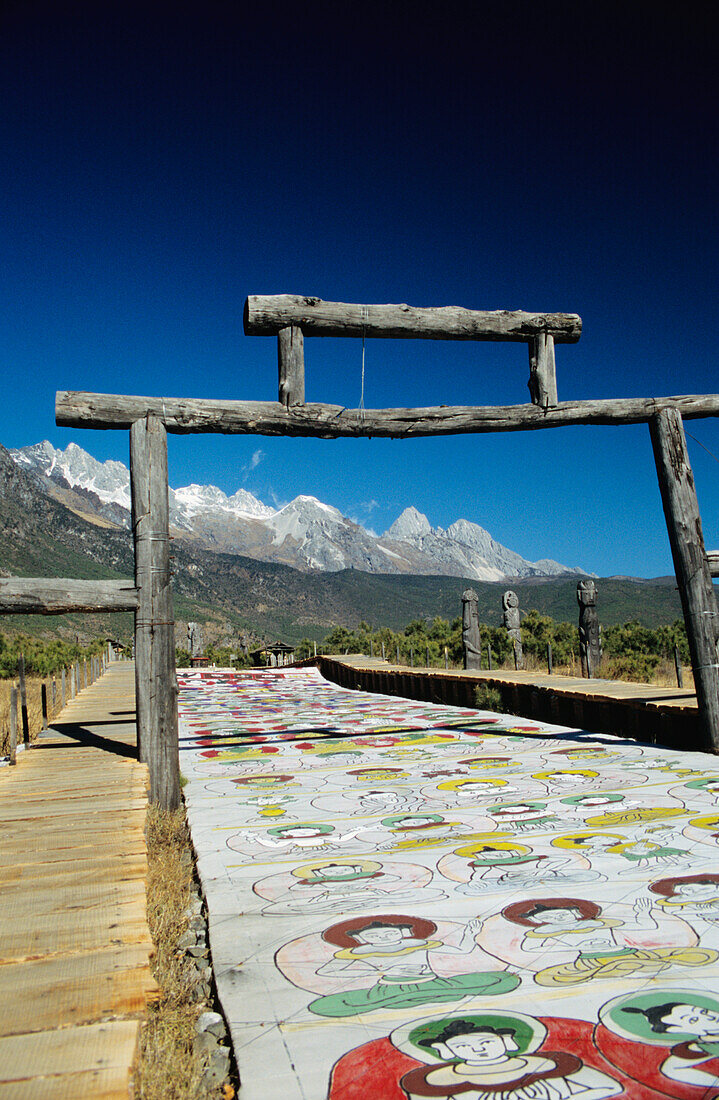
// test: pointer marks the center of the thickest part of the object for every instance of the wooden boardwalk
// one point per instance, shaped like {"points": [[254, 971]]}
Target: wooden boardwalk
{"points": [[641, 712], [74, 942]]}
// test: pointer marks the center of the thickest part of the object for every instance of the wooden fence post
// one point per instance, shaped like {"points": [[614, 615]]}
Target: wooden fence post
{"points": [[291, 365], [681, 510], [62, 689], [53, 695], [155, 677], [13, 725], [43, 696], [23, 700], [678, 667]]}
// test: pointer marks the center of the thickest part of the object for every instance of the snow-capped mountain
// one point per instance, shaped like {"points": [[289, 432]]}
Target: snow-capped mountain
{"points": [[304, 533]]}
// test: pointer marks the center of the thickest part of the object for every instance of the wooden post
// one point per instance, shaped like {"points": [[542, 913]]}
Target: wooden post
{"points": [[510, 605], [542, 370], [446, 657], [471, 644], [681, 510], [489, 657], [678, 667], [549, 658], [84, 672], [43, 695], [426, 655], [53, 695], [155, 677], [23, 700], [291, 365], [411, 657], [383, 656], [13, 725], [62, 689], [397, 651]]}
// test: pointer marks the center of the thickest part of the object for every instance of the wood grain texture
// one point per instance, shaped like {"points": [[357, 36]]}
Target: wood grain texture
{"points": [[185, 416], [74, 943], [684, 525], [713, 559], [266, 314], [291, 365], [155, 679], [57, 596]]}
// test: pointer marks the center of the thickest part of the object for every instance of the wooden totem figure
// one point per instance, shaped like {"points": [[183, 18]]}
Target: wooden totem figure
{"points": [[471, 645], [590, 646], [510, 604], [195, 640]]}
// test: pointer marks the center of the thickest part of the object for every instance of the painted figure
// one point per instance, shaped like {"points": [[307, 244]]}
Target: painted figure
{"points": [[331, 886], [507, 865], [604, 947], [398, 953], [486, 1056]]}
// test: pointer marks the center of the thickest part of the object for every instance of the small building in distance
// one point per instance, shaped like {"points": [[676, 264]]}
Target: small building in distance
{"points": [[273, 655]]}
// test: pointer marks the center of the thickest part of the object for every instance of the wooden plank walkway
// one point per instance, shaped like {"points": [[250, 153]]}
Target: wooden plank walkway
{"points": [[75, 947], [641, 712]]}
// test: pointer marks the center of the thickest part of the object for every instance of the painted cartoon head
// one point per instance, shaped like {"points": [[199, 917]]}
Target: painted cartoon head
{"points": [[687, 888], [300, 832], [482, 1039], [680, 1018], [378, 930], [476, 1044], [551, 912], [313, 873]]}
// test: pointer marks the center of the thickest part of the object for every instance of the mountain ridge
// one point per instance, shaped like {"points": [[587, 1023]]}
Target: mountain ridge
{"points": [[306, 533]]}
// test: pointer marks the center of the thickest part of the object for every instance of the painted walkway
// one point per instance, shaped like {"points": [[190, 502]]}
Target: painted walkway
{"points": [[75, 948], [409, 900]]}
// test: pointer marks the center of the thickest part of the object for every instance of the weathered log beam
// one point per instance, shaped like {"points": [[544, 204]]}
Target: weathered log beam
{"points": [[684, 525], [184, 416], [266, 314], [713, 559], [57, 596]]}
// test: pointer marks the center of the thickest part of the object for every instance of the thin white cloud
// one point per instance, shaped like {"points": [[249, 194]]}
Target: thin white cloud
{"points": [[254, 462]]}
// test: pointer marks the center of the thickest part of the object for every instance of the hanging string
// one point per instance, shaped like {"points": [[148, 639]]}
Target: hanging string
{"points": [[365, 320]]}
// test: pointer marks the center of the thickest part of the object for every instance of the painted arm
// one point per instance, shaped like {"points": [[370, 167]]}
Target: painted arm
{"points": [[468, 941]]}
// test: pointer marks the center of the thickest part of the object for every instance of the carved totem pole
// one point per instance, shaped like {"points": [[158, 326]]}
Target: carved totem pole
{"points": [[195, 644], [471, 645], [510, 604], [590, 645]]}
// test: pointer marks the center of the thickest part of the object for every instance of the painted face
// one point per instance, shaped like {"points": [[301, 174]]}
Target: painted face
{"points": [[381, 798], [699, 1021], [558, 918], [698, 890], [484, 1047], [381, 937], [336, 870], [301, 831]]}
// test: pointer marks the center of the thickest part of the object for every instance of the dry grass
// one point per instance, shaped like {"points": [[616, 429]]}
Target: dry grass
{"points": [[34, 711], [168, 1069]]}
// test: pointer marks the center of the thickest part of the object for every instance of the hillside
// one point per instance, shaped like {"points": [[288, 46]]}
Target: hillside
{"points": [[40, 536]]}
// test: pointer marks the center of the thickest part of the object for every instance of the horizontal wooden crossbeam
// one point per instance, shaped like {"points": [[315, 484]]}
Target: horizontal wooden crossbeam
{"points": [[184, 416], [713, 559], [56, 596], [266, 314]]}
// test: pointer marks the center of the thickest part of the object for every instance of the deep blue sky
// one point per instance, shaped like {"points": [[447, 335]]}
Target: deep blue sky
{"points": [[161, 163]]}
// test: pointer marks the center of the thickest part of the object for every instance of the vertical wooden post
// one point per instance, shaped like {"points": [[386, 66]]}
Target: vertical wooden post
{"points": [[678, 667], [84, 672], [542, 370], [397, 651], [383, 656], [23, 700], [549, 658], [446, 657], [43, 695], [53, 696], [62, 689], [426, 655], [681, 510], [291, 365], [155, 679], [489, 657], [13, 725]]}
